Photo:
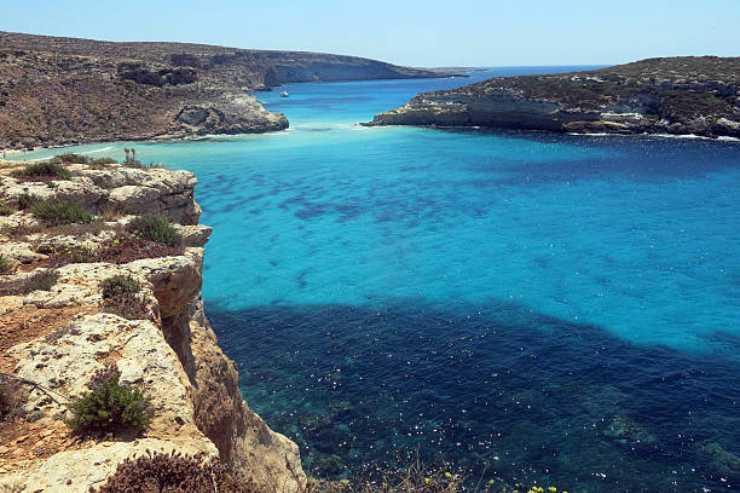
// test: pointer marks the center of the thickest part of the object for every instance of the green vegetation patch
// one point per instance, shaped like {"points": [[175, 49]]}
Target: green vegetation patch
{"points": [[5, 209], [109, 407], [121, 296], [12, 398], [26, 200], [155, 228], [42, 281], [176, 472], [6, 266], [677, 104], [71, 158], [59, 212], [43, 170], [120, 285]]}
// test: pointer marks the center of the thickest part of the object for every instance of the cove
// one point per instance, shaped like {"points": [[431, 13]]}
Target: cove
{"points": [[535, 307]]}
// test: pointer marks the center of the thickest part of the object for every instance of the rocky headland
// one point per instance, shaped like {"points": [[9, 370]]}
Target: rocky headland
{"points": [[676, 96], [61, 91], [100, 272]]}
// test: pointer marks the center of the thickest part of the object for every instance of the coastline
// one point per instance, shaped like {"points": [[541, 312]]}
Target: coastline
{"points": [[162, 342], [473, 129]]}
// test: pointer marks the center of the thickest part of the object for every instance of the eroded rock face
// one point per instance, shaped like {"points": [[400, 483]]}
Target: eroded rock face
{"points": [[678, 96], [168, 349]]}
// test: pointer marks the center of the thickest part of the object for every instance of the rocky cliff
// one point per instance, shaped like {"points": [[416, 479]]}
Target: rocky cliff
{"points": [[64, 231], [688, 95], [56, 91]]}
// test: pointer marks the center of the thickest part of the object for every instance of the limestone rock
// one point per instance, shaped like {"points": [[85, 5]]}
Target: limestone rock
{"points": [[681, 96], [169, 350]]}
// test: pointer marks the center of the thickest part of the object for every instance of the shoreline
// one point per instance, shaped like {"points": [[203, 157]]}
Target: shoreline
{"points": [[8, 153], [483, 129]]}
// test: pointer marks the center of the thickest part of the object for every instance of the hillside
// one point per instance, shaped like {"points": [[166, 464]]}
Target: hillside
{"points": [[56, 91], [685, 95]]}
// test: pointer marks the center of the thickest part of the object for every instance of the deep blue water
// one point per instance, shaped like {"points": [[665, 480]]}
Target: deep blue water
{"points": [[533, 307]]}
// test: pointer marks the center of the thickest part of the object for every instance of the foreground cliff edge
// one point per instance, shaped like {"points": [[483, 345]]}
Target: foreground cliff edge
{"points": [[677, 96], [62, 91], [63, 234]]}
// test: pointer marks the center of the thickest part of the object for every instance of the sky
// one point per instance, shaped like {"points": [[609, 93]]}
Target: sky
{"points": [[407, 32]]}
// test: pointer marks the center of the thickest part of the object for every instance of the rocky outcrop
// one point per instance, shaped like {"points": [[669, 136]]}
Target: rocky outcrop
{"points": [[677, 96], [57, 91], [56, 335]]}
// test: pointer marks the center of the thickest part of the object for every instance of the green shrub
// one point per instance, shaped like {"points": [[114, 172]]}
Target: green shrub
{"points": [[58, 212], [71, 158], [5, 209], [175, 473], [155, 228], [109, 407], [103, 160], [121, 295], [44, 169], [12, 398], [26, 200], [138, 164], [120, 285], [43, 281], [76, 255], [5, 265]]}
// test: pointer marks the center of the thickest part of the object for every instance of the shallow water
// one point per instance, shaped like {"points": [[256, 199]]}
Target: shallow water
{"points": [[548, 308]]}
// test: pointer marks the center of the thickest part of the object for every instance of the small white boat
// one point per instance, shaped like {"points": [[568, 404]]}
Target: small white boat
{"points": [[284, 94]]}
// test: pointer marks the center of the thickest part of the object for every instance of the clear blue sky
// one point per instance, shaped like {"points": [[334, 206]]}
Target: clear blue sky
{"points": [[411, 32]]}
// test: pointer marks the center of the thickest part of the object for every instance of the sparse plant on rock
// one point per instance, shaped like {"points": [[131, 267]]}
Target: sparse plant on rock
{"points": [[12, 397], [71, 158], [121, 294], [43, 170], [58, 212], [120, 285], [155, 228], [77, 255], [129, 247], [6, 266], [109, 407], [175, 473], [26, 200], [43, 281], [103, 161], [5, 209]]}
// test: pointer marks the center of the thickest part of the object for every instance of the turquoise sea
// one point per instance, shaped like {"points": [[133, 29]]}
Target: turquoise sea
{"points": [[533, 307]]}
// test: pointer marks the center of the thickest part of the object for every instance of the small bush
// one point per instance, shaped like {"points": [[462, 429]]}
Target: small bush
{"points": [[129, 247], [71, 158], [12, 398], [140, 165], [109, 407], [155, 228], [120, 285], [39, 281], [5, 209], [175, 473], [44, 169], [26, 201], [75, 255], [103, 161], [42, 281], [6, 266], [58, 212], [121, 295]]}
